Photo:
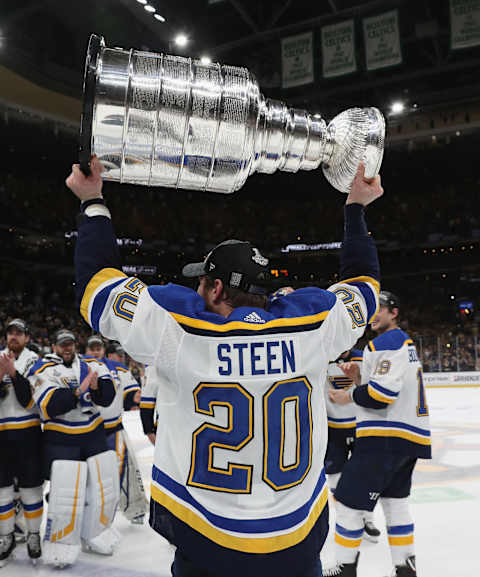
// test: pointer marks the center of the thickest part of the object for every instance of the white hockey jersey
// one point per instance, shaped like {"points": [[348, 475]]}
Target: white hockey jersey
{"points": [[15, 419], [393, 372], [239, 454], [51, 374], [341, 418], [125, 384]]}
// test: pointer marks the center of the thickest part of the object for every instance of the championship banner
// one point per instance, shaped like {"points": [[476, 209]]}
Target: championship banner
{"points": [[464, 23], [382, 40], [338, 49], [297, 60], [447, 380]]}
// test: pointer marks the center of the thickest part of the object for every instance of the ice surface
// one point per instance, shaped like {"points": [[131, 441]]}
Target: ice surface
{"points": [[445, 505]]}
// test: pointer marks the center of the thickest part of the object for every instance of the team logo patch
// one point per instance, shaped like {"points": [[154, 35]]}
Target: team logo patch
{"points": [[258, 258]]}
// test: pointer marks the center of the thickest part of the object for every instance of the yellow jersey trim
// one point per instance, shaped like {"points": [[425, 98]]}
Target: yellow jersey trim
{"points": [[379, 397], [369, 279], [245, 544], [51, 426], [98, 279], [35, 422], [235, 325], [394, 433]]}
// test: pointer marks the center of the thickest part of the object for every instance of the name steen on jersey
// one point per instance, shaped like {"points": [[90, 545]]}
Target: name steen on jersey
{"points": [[256, 358]]}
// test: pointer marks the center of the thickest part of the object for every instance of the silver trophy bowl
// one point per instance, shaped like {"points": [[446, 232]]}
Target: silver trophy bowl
{"points": [[161, 120]]}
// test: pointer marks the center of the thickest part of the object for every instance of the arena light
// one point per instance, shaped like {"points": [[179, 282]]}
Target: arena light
{"points": [[149, 8], [159, 17], [142, 2], [205, 60], [181, 40], [397, 107]]}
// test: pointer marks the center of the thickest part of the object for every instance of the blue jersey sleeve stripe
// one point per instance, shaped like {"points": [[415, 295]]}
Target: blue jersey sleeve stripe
{"points": [[101, 277], [383, 390], [369, 297], [99, 304]]}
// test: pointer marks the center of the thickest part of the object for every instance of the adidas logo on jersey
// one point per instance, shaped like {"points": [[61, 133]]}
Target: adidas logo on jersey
{"points": [[254, 318]]}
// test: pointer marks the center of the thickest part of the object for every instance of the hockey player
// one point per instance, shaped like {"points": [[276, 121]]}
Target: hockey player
{"points": [[68, 391], [148, 403], [20, 444], [341, 429], [238, 481], [133, 503], [392, 433]]}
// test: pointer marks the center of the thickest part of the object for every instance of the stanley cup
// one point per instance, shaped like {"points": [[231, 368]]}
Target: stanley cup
{"points": [[161, 120]]}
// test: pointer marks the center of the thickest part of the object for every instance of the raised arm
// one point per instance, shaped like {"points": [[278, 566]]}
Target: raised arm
{"points": [[110, 302]]}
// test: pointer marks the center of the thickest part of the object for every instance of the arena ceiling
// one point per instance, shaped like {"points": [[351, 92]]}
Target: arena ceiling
{"points": [[46, 40]]}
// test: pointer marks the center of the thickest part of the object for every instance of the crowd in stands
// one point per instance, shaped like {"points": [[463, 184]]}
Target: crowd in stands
{"points": [[427, 200]]}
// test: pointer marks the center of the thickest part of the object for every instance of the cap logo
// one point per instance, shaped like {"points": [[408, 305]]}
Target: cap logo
{"points": [[258, 258], [211, 266], [235, 279]]}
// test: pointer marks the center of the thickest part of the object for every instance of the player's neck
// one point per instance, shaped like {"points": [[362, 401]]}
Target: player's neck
{"points": [[390, 327]]}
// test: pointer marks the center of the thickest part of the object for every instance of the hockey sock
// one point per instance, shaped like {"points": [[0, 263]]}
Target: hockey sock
{"points": [[348, 533], [32, 501], [7, 510], [399, 528]]}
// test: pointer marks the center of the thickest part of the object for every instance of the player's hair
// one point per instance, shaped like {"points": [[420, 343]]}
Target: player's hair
{"points": [[238, 298]]}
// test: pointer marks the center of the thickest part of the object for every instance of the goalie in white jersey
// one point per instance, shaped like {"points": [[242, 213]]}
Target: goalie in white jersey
{"points": [[392, 432], [238, 481]]}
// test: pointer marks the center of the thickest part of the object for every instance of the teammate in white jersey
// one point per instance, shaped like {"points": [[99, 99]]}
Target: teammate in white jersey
{"points": [[341, 429], [392, 433], [69, 389], [238, 481], [20, 443], [133, 503]]}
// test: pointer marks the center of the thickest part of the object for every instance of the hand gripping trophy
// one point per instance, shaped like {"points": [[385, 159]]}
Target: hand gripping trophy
{"points": [[161, 120]]}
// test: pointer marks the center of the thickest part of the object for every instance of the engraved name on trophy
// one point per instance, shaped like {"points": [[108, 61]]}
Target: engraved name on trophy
{"points": [[160, 120]]}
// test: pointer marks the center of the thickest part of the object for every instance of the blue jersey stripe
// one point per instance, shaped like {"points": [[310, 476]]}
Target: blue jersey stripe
{"points": [[347, 420], [5, 508], [383, 390], [241, 525], [99, 303], [369, 297], [19, 419], [42, 396], [393, 424]]}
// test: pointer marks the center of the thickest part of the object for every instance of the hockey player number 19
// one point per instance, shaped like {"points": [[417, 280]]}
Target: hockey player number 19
{"points": [[236, 477]]}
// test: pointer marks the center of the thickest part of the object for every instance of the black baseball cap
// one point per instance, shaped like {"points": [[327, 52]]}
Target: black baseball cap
{"points": [[114, 348], [64, 335], [237, 263], [389, 300], [19, 324], [95, 340]]}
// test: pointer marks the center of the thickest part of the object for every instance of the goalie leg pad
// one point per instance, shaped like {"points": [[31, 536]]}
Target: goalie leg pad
{"points": [[103, 490], [7, 510], [32, 501], [68, 481], [133, 502]]}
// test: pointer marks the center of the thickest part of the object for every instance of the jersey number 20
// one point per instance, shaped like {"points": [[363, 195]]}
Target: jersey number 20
{"points": [[237, 477]]}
